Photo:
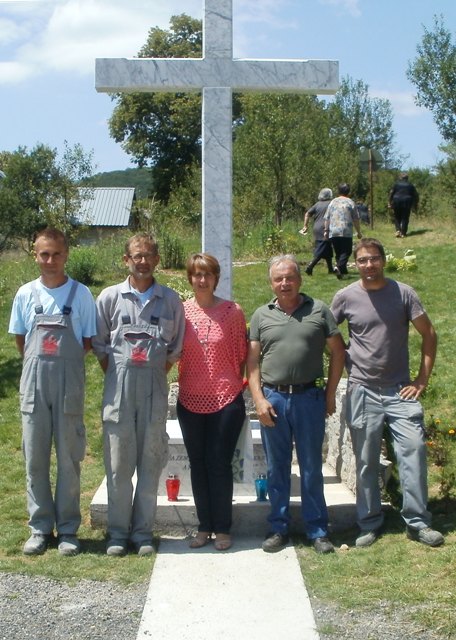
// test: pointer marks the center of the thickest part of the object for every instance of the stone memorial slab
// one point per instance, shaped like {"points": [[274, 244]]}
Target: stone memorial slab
{"points": [[178, 463], [249, 515]]}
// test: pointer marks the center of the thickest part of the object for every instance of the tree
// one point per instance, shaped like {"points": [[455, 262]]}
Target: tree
{"points": [[284, 153], [10, 212], [75, 168], [446, 172], [40, 190], [433, 72], [366, 124], [361, 120], [163, 130]]}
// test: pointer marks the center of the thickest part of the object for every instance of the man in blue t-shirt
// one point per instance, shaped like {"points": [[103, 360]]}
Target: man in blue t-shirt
{"points": [[53, 319]]}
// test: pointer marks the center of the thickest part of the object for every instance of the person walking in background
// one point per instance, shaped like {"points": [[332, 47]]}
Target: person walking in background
{"points": [[53, 319], [322, 246], [363, 212], [288, 337], [378, 312], [139, 337], [210, 406], [340, 218], [403, 197]]}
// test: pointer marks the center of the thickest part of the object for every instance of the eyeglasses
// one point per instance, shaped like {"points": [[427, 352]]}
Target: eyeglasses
{"points": [[199, 275], [138, 257], [373, 259]]}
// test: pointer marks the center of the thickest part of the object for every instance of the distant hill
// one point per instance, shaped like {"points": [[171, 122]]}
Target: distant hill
{"points": [[141, 179]]}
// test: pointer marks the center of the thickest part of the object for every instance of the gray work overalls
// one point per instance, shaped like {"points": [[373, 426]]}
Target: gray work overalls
{"points": [[52, 406], [135, 405]]}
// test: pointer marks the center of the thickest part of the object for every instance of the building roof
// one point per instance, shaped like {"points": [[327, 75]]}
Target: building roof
{"points": [[105, 206]]}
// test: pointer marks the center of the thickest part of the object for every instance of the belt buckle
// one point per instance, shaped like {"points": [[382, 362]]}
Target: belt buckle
{"points": [[290, 389]]}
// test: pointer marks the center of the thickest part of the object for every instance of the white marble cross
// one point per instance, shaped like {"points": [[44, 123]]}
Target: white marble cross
{"points": [[217, 75]]}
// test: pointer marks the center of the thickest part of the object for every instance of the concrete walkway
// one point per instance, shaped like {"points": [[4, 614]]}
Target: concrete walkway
{"points": [[240, 594]]}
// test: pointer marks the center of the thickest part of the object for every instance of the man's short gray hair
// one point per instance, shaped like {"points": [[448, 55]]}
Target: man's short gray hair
{"points": [[284, 257]]}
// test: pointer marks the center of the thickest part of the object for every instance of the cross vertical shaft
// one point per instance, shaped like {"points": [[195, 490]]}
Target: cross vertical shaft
{"points": [[217, 146]]}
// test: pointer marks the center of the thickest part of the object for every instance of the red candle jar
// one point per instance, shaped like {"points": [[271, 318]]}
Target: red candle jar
{"points": [[172, 487]]}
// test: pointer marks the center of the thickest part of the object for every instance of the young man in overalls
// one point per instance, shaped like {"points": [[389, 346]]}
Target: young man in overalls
{"points": [[139, 337], [53, 319]]}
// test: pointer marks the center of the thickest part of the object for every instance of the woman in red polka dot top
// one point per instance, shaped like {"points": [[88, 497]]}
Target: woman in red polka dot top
{"points": [[210, 406]]}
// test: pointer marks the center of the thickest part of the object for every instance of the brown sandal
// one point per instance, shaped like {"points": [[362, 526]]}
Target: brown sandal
{"points": [[223, 541], [201, 539]]}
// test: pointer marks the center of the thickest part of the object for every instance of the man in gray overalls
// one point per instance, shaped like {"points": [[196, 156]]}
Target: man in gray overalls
{"points": [[53, 319], [140, 329]]}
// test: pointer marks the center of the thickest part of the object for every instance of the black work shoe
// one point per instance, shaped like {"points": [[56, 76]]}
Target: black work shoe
{"points": [[426, 536], [36, 545], [309, 271], [275, 542], [323, 545]]}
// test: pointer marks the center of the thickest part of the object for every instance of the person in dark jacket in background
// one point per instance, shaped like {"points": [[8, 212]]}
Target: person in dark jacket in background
{"points": [[403, 198]]}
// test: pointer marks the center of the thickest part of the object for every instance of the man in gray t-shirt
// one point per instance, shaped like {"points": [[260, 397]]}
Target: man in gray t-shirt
{"points": [[378, 312]]}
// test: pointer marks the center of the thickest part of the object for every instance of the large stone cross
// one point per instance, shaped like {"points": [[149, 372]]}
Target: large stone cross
{"points": [[217, 75]]}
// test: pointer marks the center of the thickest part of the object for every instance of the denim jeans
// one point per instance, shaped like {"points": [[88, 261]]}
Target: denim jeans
{"points": [[368, 410], [300, 417]]}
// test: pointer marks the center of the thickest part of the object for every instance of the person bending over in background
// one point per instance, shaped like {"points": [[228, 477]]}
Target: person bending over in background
{"points": [[322, 246]]}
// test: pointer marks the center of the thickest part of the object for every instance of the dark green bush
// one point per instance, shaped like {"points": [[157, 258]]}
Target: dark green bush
{"points": [[82, 264]]}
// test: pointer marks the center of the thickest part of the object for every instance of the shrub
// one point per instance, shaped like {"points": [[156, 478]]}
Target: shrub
{"points": [[441, 444], [276, 240], [82, 264], [406, 263], [440, 439], [181, 286], [171, 252]]}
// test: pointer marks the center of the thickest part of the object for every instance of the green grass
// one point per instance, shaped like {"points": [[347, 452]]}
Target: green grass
{"points": [[393, 574], [394, 570], [396, 573]]}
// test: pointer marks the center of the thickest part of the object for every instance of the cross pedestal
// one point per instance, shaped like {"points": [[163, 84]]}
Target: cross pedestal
{"points": [[217, 75], [249, 514]]}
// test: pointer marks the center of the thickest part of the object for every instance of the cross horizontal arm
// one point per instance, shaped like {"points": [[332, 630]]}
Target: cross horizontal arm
{"points": [[193, 74]]}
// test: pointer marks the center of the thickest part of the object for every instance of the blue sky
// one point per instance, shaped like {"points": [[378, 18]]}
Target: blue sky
{"points": [[48, 48]]}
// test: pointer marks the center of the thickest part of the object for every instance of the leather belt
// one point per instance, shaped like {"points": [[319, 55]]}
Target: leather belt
{"points": [[291, 388]]}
